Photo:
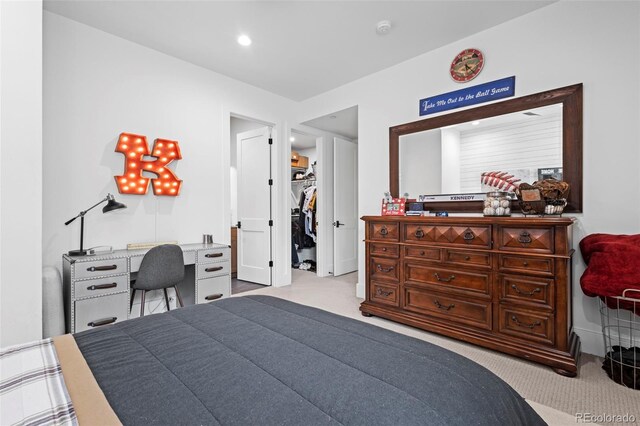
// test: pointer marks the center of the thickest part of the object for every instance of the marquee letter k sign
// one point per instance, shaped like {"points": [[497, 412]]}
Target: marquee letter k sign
{"points": [[134, 148]]}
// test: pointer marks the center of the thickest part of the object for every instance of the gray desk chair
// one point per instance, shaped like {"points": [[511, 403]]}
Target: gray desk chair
{"points": [[161, 267]]}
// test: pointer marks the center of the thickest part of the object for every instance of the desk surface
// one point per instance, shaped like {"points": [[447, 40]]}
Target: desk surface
{"points": [[118, 254]]}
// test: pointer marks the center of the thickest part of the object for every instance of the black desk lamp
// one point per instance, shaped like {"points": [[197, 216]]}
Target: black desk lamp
{"points": [[112, 204]]}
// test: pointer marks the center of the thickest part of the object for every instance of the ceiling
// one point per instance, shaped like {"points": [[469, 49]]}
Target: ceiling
{"points": [[300, 48], [302, 140], [344, 123]]}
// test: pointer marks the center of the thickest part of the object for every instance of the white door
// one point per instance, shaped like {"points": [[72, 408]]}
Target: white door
{"points": [[345, 207], [254, 206]]}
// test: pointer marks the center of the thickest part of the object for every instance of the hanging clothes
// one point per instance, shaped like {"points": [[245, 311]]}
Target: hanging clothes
{"points": [[309, 211]]}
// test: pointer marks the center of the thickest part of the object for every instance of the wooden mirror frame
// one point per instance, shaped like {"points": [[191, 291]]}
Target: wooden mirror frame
{"points": [[571, 99]]}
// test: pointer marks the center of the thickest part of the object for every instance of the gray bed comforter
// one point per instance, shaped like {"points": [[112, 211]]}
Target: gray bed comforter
{"points": [[259, 360]]}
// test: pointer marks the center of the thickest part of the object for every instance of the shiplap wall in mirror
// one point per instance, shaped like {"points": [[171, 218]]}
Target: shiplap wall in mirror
{"points": [[451, 160]]}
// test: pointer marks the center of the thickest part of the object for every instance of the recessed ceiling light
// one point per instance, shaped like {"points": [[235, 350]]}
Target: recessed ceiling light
{"points": [[292, 139], [244, 40], [475, 123]]}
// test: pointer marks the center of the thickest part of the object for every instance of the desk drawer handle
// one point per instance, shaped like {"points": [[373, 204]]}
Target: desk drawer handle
{"points": [[214, 269], [444, 280], [520, 324], [214, 255], [213, 296], [103, 321], [102, 268], [441, 306], [102, 286], [385, 270], [524, 237], [526, 293], [384, 231]]}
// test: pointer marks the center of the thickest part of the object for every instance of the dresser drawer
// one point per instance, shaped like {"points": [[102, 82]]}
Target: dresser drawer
{"points": [[384, 269], [381, 249], [526, 265], [209, 289], [536, 240], [426, 253], [533, 291], [99, 268], [384, 293], [208, 270], [476, 313], [99, 311], [451, 279], [469, 236], [383, 231], [535, 326], [214, 255], [470, 258], [100, 286]]}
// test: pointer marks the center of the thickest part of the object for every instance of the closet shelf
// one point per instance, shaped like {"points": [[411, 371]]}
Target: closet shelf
{"points": [[303, 180]]}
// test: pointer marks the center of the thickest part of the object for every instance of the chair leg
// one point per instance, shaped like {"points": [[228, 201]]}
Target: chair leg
{"points": [[166, 299], [142, 303], [133, 296], [175, 287]]}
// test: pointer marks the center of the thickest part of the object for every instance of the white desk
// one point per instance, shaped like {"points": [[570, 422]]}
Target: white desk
{"points": [[96, 288]]}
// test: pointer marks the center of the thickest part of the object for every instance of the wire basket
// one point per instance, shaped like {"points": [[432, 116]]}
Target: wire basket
{"points": [[621, 331]]}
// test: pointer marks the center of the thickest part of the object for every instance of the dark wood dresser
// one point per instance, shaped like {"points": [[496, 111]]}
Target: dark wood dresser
{"points": [[501, 283]]}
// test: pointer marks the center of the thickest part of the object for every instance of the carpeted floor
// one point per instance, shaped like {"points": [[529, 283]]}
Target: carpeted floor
{"points": [[591, 392]]}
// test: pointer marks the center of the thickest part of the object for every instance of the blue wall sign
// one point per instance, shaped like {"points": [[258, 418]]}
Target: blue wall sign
{"points": [[486, 92]]}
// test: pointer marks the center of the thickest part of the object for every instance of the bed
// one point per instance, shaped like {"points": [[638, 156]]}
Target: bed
{"points": [[267, 361]]}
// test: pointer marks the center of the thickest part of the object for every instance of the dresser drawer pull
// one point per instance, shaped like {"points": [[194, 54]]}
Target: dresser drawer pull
{"points": [[520, 324], [441, 306], [525, 263], [467, 258], [384, 249], [422, 253], [103, 321], [386, 270], [384, 231], [213, 296], [381, 292], [524, 237], [526, 293], [102, 286], [419, 233], [213, 269], [214, 255], [468, 235], [444, 280], [102, 268]]}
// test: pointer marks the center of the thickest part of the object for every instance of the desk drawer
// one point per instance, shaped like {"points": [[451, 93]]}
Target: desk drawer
{"points": [[209, 270], [208, 289], [213, 255], [100, 268], [100, 286], [99, 311]]}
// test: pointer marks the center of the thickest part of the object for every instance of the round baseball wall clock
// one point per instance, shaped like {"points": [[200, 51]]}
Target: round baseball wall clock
{"points": [[466, 65]]}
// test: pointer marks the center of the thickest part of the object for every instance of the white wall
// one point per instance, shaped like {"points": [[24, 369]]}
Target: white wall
{"points": [[97, 85], [561, 44], [20, 171]]}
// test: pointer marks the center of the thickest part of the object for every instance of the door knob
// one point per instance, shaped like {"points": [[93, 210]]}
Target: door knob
{"points": [[337, 224]]}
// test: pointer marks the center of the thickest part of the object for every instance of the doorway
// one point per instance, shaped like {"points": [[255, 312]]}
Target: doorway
{"points": [[251, 198], [336, 218]]}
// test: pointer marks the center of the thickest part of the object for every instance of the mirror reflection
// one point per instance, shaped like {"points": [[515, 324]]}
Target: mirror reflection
{"points": [[495, 153]]}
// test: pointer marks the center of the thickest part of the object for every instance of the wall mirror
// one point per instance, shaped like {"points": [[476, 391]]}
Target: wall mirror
{"points": [[523, 139]]}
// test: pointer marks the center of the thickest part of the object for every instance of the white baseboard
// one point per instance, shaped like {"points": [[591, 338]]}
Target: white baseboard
{"points": [[592, 341], [360, 290]]}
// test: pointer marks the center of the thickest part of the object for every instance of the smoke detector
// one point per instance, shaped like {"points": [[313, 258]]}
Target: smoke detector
{"points": [[383, 27]]}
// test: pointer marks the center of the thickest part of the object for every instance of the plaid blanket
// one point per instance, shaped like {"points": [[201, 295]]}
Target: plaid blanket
{"points": [[32, 389]]}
